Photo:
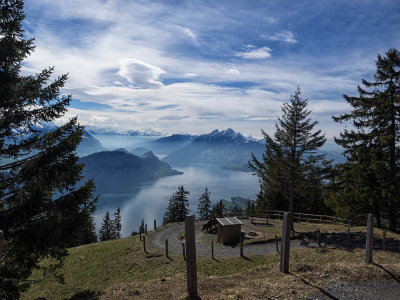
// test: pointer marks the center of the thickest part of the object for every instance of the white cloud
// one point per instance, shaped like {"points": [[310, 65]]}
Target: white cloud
{"points": [[191, 35], [260, 53], [283, 36], [140, 73]]}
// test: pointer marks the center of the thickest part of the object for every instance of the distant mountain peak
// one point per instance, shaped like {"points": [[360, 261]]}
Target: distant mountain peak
{"points": [[224, 136]]}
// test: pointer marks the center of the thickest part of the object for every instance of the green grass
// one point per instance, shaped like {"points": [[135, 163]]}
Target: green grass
{"points": [[116, 269]]}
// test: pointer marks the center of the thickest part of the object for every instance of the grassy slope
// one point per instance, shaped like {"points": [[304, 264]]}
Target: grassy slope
{"points": [[120, 269]]}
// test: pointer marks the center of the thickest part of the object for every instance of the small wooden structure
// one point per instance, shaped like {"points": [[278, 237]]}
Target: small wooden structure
{"points": [[229, 230]]}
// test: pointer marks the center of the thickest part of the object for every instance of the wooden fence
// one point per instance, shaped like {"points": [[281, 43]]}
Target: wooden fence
{"points": [[297, 217]]}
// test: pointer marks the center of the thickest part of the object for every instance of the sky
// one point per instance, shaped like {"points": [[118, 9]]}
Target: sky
{"points": [[196, 66]]}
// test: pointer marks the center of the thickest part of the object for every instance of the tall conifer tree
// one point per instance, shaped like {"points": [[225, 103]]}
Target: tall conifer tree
{"points": [[289, 164], [117, 223], [41, 211], [107, 230], [178, 206], [370, 180], [204, 207]]}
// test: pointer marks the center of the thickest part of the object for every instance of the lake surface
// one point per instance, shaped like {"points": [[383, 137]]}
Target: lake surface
{"points": [[150, 200]]}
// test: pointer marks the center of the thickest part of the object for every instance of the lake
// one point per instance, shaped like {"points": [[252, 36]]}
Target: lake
{"points": [[150, 200]]}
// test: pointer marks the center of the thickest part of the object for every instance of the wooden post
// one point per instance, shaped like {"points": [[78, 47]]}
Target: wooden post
{"points": [[276, 242], [241, 246], [191, 257], [144, 244], [212, 249], [369, 243], [183, 251], [166, 247], [1, 244], [348, 237], [319, 238], [155, 224], [285, 242], [384, 240], [140, 233], [145, 229]]}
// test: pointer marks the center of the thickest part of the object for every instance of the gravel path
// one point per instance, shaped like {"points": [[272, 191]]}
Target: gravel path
{"points": [[368, 290], [157, 239]]}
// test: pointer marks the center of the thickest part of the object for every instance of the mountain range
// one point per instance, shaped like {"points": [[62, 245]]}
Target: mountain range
{"points": [[227, 148]]}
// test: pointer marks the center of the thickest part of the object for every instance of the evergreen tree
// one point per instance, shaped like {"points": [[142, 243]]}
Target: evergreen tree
{"points": [[218, 209], [171, 213], [117, 224], [41, 211], [204, 208], [107, 230], [251, 207], [87, 233], [370, 180], [182, 203], [290, 167], [178, 206]]}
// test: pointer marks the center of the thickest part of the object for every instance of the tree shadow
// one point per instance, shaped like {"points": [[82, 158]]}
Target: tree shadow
{"points": [[387, 271], [315, 286], [245, 257], [85, 295], [216, 260]]}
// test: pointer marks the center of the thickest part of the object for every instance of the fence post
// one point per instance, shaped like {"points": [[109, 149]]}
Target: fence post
{"points": [[212, 249], [369, 243], [155, 224], [241, 246], [144, 244], [384, 240], [183, 251], [140, 233], [166, 247], [319, 237], [276, 242], [348, 237], [191, 257], [145, 229], [1, 244], [285, 242]]}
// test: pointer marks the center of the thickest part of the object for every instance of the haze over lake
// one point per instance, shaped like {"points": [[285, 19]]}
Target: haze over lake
{"points": [[148, 201]]}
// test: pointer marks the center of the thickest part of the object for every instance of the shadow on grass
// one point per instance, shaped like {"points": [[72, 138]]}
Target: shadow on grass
{"points": [[315, 286], [85, 295], [245, 257], [387, 271]]}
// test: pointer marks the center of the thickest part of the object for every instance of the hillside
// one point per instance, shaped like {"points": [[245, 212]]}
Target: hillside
{"points": [[119, 269], [120, 168]]}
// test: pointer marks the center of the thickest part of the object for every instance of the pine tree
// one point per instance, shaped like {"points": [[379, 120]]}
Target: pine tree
{"points": [[171, 213], [117, 224], [87, 233], [41, 211], [290, 163], [371, 178], [204, 207], [218, 209], [182, 203], [107, 230], [178, 206]]}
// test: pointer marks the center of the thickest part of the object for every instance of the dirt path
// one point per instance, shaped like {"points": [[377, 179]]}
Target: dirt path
{"points": [[172, 232]]}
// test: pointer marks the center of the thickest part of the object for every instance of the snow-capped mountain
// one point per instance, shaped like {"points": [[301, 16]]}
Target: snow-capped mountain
{"points": [[116, 131]]}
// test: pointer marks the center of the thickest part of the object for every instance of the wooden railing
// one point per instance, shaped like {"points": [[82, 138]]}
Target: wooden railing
{"points": [[297, 217]]}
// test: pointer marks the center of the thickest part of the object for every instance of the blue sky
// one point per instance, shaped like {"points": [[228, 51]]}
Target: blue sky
{"points": [[193, 66]]}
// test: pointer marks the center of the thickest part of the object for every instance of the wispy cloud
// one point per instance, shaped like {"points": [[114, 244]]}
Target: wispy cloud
{"points": [[283, 36], [260, 53]]}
